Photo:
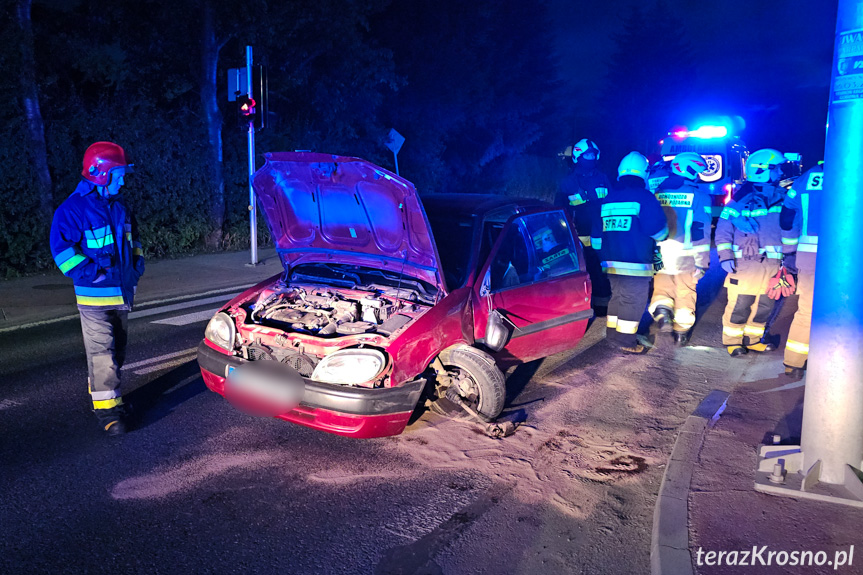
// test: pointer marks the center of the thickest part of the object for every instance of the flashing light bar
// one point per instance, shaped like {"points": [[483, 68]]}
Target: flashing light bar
{"points": [[707, 132], [704, 132]]}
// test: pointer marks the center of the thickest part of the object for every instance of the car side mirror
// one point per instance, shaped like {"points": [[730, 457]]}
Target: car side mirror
{"points": [[497, 331]]}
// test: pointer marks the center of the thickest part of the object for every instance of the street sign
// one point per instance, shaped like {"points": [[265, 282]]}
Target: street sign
{"points": [[236, 83], [394, 141]]}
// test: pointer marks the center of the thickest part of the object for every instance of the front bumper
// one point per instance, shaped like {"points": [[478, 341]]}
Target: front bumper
{"points": [[351, 411]]}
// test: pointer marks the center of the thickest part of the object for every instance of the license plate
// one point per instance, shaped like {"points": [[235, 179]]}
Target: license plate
{"points": [[265, 388]]}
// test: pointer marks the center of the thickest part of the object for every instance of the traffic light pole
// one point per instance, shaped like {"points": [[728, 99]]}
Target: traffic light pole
{"points": [[828, 461], [253, 210]]}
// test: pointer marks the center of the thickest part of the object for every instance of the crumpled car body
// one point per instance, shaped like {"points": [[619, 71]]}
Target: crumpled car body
{"points": [[369, 299]]}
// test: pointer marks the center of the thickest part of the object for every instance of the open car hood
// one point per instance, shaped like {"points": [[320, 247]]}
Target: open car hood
{"points": [[337, 209]]}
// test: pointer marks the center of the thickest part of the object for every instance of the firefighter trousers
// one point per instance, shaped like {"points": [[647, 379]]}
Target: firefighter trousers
{"points": [[676, 293], [600, 284], [105, 336], [748, 307], [627, 305], [797, 346]]}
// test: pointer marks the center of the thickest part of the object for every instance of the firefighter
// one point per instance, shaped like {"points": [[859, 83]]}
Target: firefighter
{"points": [[631, 222], [94, 240], [686, 252], [799, 224], [749, 242], [580, 193]]}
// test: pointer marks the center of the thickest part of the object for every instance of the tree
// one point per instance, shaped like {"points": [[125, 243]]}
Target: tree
{"points": [[651, 75]]}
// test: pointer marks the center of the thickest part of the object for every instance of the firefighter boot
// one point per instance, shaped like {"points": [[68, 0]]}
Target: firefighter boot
{"points": [[663, 319], [113, 420], [736, 350], [795, 372], [766, 343], [636, 349], [681, 338]]}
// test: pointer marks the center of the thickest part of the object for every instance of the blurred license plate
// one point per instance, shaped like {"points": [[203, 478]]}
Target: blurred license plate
{"points": [[266, 388]]}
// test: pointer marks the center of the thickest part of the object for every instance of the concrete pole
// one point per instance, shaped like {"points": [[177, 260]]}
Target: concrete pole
{"points": [[253, 210], [832, 430]]}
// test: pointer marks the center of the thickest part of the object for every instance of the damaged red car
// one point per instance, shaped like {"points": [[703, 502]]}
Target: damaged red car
{"points": [[387, 302]]}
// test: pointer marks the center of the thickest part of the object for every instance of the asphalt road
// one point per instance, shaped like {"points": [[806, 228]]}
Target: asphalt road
{"points": [[198, 487]]}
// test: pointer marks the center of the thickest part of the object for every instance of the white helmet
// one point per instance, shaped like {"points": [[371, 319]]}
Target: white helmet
{"points": [[582, 147], [633, 164], [688, 165], [763, 166]]}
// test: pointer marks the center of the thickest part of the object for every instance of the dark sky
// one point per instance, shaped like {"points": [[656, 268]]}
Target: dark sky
{"points": [[767, 62]]}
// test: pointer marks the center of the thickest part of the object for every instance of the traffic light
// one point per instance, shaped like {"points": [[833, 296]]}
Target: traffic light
{"points": [[246, 109]]}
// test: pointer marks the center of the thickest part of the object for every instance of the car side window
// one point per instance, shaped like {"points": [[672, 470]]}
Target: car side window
{"points": [[535, 247]]}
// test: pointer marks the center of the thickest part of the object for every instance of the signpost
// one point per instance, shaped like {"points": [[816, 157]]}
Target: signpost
{"points": [[394, 142], [248, 87]]}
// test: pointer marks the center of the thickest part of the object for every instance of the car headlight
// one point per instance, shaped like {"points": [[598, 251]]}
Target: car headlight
{"points": [[350, 366], [221, 331]]}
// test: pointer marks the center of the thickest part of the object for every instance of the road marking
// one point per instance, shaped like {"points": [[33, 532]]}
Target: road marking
{"points": [[188, 318], [166, 300], [166, 365], [159, 358], [178, 306]]}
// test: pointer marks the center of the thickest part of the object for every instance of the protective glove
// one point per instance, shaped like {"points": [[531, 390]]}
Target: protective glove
{"points": [[139, 265], [781, 285], [728, 266], [698, 273], [657, 259]]}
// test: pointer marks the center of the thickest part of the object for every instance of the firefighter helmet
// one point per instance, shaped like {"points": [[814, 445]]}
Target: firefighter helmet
{"points": [[688, 165], [101, 159], [633, 164], [584, 146], [763, 166]]}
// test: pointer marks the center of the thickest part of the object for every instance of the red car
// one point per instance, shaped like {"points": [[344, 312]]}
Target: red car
{"points": [[383, 304]]}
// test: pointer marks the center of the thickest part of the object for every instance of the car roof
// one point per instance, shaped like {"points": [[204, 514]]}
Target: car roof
{"points": [[476, 204]]}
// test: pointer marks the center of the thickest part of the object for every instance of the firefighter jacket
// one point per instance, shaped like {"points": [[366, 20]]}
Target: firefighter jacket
{"points": [[630, 223], [687, 209], [748, 227], [95, 242], [799, 217], [580, 193]]}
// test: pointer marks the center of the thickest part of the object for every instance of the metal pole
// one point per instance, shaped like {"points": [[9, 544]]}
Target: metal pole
{"points": [[832, 430], [253, 211], [396, 156]]}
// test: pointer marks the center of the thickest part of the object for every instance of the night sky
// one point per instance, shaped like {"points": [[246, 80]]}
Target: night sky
{"points": [[767, 62]]}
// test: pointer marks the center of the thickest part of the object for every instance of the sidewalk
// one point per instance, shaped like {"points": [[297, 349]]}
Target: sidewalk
{"points": [[47, 297], [725, 511]]}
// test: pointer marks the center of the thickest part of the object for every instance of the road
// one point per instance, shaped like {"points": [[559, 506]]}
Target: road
{"points": [[198, 487]]}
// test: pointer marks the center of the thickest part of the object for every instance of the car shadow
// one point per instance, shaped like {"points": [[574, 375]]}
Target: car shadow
{"points": [[158, 398]]}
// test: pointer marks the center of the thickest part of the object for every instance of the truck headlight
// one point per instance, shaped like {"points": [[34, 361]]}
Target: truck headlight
{"points": [[350, 367], [221, 331]]}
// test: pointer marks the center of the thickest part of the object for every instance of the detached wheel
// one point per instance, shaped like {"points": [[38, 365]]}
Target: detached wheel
{"points": [[477, 380]]}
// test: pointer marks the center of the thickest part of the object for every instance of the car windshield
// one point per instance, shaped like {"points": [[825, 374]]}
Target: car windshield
{"points": [[453, 236]]}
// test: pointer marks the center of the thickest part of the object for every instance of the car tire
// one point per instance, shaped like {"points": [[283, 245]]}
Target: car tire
{"points": [[484, 376]]}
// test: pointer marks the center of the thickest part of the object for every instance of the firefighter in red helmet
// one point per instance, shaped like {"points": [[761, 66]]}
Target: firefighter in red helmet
{"points": [[94, 240]]}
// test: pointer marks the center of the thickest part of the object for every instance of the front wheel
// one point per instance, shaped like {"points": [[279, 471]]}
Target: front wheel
{"points": [[478, 381]]}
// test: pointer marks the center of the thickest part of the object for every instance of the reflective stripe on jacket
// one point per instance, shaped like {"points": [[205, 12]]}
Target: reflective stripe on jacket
{"points": [[687, 210], [630, 223], [92, 238], [749, 226]]}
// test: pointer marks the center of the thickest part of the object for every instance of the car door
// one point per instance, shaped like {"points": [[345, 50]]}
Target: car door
{"points": [[534, 286]]}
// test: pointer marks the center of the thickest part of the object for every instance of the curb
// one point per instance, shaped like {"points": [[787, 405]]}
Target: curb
{"points": [[669, 548]]}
